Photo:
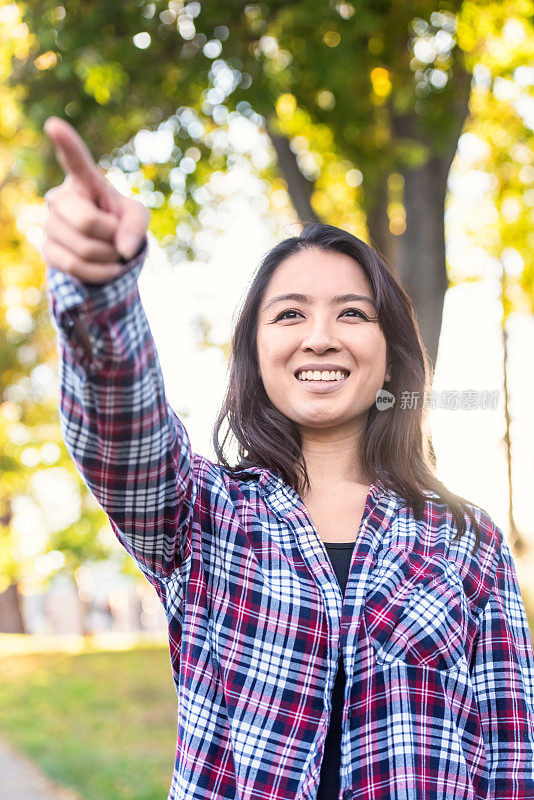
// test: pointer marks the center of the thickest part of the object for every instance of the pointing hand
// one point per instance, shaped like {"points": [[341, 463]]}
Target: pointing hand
{"points": [[90, 224]]}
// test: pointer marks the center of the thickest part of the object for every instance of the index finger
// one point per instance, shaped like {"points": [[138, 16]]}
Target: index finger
{"points": [[72, 152]]}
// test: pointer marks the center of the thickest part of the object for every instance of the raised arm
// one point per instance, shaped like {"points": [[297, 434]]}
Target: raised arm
{"points": [[130, 447]]}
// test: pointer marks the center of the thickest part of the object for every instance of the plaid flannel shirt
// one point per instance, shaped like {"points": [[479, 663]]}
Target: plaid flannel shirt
{"points": [[439, 695]]}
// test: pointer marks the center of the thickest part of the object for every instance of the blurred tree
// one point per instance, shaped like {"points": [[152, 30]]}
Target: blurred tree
{"points": [[500, 42], [30, 437], [363, 104]]}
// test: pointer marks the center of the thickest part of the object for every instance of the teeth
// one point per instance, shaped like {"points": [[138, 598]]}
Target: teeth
{"points": [[321, 375]]}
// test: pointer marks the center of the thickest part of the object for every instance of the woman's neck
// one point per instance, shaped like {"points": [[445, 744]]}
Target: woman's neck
{"points": [[332, 458]]}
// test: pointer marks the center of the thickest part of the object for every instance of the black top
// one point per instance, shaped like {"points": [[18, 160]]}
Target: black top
{"points": [[340, 554]]}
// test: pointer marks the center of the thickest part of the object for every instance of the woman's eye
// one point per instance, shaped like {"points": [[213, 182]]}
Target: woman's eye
{"points": [[283, 314], [356, 311]]}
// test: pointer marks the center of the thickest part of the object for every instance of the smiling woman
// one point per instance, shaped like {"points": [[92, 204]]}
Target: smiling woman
{"points": [[325, 301], [340, 624]]}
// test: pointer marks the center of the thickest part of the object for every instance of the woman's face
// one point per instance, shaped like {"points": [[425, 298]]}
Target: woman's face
{"points": [[321, 331]]}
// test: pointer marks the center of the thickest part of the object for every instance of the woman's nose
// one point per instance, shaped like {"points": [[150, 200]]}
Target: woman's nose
{"points": [[319, 337]]}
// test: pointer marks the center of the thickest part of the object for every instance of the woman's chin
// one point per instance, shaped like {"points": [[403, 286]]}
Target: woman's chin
{"points": [[322, 420]]}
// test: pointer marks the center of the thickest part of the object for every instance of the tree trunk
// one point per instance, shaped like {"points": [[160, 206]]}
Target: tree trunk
{"points": [[421, 258], [517, 541], [417, 257], [11, 619], [421, 254], [380, 237]]}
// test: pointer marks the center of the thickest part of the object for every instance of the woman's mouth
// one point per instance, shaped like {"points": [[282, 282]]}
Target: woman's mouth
{"points": [[323, 376], [319, 381]]}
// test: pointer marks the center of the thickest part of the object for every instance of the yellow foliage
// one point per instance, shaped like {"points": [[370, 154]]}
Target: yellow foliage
{"points": [[499, 41], [381, 82], [286, 106]]}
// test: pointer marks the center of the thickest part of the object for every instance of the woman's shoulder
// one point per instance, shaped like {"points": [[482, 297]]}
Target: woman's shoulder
{"points": [[439, 507], [220, 478], [441, 525]]}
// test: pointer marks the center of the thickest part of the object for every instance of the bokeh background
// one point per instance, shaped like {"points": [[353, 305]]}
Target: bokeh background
{"points": [[409, 124]]}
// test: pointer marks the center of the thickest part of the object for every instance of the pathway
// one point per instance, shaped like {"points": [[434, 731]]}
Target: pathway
{"points": [[20, 779]]}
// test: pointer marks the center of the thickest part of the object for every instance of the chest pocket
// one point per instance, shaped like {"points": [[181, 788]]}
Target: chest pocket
{"points": [[415, 611]]}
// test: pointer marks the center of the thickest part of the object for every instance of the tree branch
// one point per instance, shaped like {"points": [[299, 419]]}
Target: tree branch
{"points": [[300, 189]]}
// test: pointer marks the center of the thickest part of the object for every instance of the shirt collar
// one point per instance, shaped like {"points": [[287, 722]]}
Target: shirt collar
{"points": [[272, 487]]}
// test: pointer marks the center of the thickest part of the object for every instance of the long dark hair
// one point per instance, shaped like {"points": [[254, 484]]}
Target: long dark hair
{"points": [[396, 444]]}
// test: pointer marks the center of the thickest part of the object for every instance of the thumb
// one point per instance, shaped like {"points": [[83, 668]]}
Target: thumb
{"points": [[131, 228]]}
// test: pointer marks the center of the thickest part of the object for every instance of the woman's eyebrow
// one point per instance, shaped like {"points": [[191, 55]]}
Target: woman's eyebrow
{"points": [[303, 298]]}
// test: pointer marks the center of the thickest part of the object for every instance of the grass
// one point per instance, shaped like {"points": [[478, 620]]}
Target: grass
{"points": [[100, 722]]}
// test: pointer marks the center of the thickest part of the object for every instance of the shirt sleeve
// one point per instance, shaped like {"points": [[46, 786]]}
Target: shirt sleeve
{"points": [[502, 671], [131, 449]]}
